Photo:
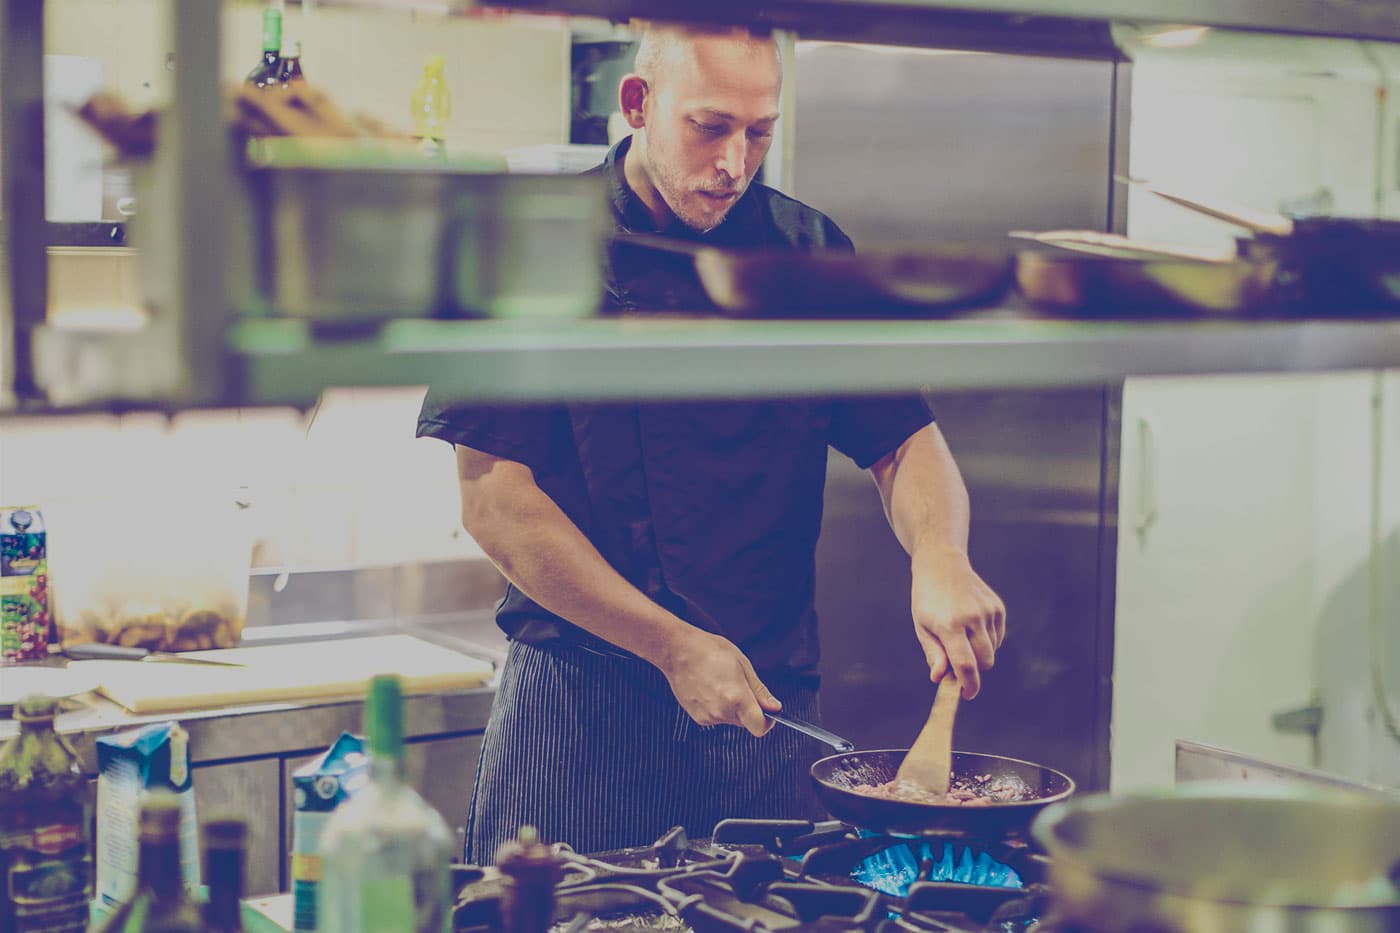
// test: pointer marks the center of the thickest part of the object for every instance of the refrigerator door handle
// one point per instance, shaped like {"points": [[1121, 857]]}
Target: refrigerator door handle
{"points": [[1145, 512]]}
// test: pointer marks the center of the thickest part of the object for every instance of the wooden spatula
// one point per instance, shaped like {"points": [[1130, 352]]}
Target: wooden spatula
{"points": [[929, 762]]}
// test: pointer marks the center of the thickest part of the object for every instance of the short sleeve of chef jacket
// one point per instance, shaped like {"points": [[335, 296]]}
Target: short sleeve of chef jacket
{"points": [[867, 429], [526, 434]]}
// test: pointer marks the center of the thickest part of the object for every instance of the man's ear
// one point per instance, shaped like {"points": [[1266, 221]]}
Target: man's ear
{"points": [[631, 94]]}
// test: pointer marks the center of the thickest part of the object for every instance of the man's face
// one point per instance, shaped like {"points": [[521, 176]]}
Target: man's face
{"points": [[709, 123]]}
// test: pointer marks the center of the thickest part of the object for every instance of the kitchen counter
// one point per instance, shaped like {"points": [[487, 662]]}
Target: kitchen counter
{"points": [[243, 756]]}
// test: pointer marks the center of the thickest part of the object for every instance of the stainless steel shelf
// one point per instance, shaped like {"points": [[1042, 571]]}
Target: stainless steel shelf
{"points": [[953, 23], [655, 359]]}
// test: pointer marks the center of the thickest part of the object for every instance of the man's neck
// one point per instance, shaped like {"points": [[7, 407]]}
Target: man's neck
{"points": [[634, 170]]}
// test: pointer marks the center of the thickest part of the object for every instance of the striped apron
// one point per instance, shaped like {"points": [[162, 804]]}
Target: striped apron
{"points": [[594, 751]]}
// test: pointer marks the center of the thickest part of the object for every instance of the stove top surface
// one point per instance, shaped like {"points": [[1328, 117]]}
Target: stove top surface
{"points": [[764, 875]]}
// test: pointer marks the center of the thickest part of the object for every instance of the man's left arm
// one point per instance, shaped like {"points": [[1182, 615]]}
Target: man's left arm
{"points": [[959, 620]]}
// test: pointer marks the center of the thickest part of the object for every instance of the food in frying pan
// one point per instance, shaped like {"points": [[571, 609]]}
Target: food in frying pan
{"points": [[979, 791]]}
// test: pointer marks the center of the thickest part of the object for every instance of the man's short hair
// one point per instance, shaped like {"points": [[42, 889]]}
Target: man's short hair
{"points": [[661, 45]]}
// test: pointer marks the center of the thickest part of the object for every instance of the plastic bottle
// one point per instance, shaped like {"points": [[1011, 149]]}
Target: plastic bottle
{"points": [[431, 106]]}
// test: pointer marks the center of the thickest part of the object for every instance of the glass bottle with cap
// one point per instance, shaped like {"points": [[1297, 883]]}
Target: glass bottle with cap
{"points": [[387, 851], [265, 72], [161, 903], [45, 815], [431, 106], [290, 72]]}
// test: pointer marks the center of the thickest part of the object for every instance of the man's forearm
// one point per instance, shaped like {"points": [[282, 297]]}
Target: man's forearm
{"points": [[536, 546], [924, 495]]}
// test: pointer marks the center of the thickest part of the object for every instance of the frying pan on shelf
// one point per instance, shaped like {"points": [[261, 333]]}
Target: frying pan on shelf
{"points": [[1088, 275], [926, 282], [1320, 265], [836, 776]]}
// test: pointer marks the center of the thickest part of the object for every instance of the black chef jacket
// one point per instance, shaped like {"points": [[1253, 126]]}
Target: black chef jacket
{"points": [[710, 508]]}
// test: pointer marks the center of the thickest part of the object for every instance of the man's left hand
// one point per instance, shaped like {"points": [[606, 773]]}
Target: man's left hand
{"points": [[958, 619]]}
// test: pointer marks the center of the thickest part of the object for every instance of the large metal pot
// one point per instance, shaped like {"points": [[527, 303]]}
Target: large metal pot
{"points": [[1217, 858], [369, 239]]}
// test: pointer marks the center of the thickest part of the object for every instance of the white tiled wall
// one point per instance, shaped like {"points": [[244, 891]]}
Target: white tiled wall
{"points": [[354, 489]]}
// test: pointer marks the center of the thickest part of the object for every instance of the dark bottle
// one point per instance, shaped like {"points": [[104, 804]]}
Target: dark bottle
{"points": [[291, 67], [45, 811], [267, 70], [224, 841], [160, 903]]}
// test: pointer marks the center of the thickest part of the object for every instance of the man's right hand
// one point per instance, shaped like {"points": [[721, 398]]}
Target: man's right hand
{"points": [[716, 685]]}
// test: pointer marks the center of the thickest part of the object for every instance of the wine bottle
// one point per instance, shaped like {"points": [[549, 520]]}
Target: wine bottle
{"points": [[160, 903], [387, 851], [265, 73]]}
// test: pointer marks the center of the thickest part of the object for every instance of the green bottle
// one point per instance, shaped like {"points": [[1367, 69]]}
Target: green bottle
{"points": [[45, 813], [387, 851], [265, 73], [160, 903]]}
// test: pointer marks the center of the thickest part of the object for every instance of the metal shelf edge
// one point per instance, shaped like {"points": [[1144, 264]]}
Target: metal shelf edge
{"points": [[600, 360]]}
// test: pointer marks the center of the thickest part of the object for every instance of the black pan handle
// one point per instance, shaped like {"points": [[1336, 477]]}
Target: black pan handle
{"points": [[816, 732]]}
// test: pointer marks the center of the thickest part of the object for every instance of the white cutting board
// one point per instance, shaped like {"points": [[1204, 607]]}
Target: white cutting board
{"points": [[285, 673]]}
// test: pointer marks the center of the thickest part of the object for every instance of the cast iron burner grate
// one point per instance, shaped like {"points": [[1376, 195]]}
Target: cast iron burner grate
{"points": [[772, 875]]}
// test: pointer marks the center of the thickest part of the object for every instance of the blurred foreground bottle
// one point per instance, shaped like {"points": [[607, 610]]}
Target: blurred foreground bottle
{"points": [[265, 73], [45, 811], [431, 105], [224, 842], [160, 903], [387, 851]]}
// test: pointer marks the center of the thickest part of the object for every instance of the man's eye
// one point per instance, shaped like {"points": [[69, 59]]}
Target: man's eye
{"points": [[760, 134], [712, 129]]}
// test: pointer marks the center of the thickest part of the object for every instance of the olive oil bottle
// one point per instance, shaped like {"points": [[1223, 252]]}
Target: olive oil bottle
{"points": [[45, 815]]}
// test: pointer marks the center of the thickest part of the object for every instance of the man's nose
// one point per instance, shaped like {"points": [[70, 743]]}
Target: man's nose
{"points": [[733, 156]]}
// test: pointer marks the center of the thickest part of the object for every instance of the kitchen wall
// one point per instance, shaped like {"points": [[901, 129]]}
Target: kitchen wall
{"points": [[347, 487]]}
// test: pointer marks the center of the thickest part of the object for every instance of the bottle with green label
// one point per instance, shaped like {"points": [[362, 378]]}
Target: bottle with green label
{"points": [[267, 70], [387, 851], [45, 814], [160, 903]]}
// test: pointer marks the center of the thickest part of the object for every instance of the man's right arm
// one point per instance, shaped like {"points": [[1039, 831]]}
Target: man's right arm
{"points": [[536, 546]]}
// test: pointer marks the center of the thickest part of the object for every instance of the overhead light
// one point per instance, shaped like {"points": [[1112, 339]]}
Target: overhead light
{"points": [[1176, 37]]}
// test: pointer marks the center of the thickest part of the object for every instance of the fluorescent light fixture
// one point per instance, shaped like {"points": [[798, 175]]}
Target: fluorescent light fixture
{"points": [[810, 44]]}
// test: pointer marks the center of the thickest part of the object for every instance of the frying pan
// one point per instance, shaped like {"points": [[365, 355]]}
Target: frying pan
{"points": [[1318, 265], [1124, 285], [835, 777], [786, 283]]}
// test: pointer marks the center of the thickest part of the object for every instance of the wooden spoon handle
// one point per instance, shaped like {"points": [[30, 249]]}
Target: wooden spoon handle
{"points": [[930, 761]]}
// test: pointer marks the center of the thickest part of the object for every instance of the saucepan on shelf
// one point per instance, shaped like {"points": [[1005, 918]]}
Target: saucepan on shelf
{"points": [[924, 282], [1280, 267]]}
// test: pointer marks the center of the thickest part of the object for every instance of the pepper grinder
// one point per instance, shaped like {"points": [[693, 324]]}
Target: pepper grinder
{"points": [[531, 870]]}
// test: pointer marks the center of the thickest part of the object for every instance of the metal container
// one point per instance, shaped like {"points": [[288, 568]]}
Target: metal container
{"points": [[414, 239], [1218, 858]]}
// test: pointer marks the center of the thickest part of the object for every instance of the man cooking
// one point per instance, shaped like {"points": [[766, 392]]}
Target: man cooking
{"points": [[661, 555]]}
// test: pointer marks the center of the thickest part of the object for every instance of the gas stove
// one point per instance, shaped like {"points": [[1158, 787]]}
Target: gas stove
{"points": [[762, 875]]}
